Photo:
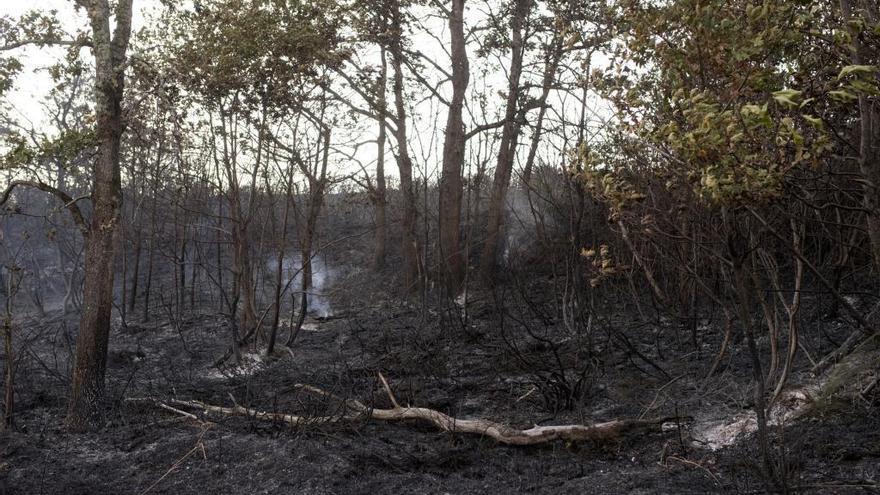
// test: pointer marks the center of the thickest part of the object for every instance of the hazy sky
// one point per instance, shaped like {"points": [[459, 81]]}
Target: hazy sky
{"points": [[33, 83]]}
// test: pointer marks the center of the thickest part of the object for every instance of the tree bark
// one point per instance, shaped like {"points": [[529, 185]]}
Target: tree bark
{"points": [[509, 139], [869, 139], [12, 282], [379, 199], [449, 212], [409, 218], [317, 186], [738, 250], [87, 387], [279, 266], [151, 255], [138, 243]]}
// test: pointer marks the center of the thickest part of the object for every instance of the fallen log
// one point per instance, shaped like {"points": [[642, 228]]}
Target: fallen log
{"points": [[500, 432]]}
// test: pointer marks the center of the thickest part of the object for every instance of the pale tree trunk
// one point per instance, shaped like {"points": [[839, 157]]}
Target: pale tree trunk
{"points": [[449, 212], [87, 386], [248, 287], [509, 138], [244, 276]]}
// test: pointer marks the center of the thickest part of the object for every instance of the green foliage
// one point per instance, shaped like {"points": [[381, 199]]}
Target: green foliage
{"points": [[264, 51], [9, 69], [857, 70], [36, 27], [603, 183], [63, 149], [603, 265], [730, 97]]}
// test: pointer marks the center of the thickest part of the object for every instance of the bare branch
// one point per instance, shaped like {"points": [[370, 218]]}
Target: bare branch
{"points": [[69, 202]]}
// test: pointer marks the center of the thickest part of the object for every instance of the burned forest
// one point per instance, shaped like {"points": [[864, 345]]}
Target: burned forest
{"points": [[439, 246]]}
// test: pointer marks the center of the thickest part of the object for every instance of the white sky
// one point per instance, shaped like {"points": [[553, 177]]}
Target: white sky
{"points": [[33, 84]]}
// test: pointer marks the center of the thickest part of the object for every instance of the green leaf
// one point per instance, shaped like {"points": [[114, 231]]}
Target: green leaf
{"points": [[843, 96], [865, 87], [856, 69], [786, 97], [807, 102], [814, 121], [756, 115]]}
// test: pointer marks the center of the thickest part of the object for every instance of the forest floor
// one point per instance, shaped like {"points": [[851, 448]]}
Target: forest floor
{"points": [[522, 369]]}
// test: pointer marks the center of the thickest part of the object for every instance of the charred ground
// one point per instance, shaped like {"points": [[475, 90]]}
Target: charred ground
{"points": [[507, 358]]}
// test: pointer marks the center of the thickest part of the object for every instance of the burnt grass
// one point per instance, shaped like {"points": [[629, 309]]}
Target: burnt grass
{"points": [[509, 359]]}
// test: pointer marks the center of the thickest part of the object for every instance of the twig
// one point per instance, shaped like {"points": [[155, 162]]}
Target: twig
{"points": [[199, 446], [388, 391], [696, 465], [178, 411], [657, 396]]}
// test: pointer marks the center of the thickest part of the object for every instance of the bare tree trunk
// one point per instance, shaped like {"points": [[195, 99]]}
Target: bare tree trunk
{"points": [[241, 215], [151, 255], [646, 269], [379, 200], [449, 212], [509, 135], [135, 271], [181, 298], [87, 386], [316, 201], [219, 257], [869, 140], [404, 163], [317, 184], [244, 277], [551, 64], [279, 266], [9, 382], [738, 251], [13, 282], [197, 265]]}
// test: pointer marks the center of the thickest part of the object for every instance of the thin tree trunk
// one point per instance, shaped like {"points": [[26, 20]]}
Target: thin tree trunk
{"points": [[379, 199], [279, 267], [869, 140], [9, 353], [550, 66], [509, 139], [317, 185], [449, 212], [404, 163], [738, 251], [649, 274], [151, 256]]}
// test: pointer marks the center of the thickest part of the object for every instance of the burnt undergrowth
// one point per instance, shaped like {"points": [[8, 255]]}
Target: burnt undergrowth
{"points": [[518, 353]]}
